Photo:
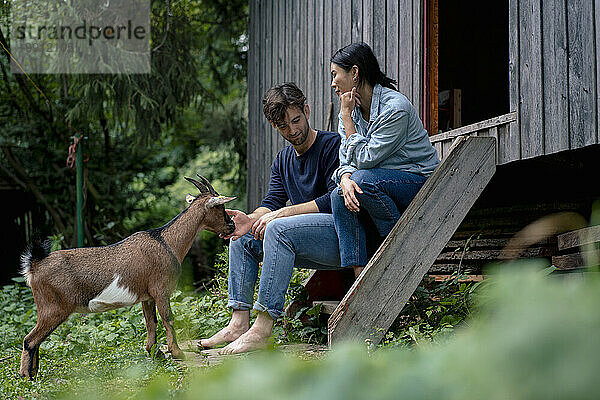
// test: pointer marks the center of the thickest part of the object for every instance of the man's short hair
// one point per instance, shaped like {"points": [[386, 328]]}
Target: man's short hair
{"points": [[279, 98]]}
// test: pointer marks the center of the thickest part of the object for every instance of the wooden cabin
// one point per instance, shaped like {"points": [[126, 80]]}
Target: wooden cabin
{"points": [[509, 94]]}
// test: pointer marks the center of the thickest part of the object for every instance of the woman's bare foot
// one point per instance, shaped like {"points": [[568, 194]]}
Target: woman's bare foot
{"points": [[257, 337], [239, 324], [358, 270]]}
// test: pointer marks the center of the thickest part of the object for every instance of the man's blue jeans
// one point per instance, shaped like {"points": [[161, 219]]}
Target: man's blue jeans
{"points": [[386, 194], [306, 241]]}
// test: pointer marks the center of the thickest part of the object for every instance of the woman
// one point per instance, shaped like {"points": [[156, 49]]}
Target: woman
{"points": [[385, 153]]}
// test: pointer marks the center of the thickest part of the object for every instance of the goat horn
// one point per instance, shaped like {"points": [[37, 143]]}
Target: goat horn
{"points": [[201, 187], [207, 183]]}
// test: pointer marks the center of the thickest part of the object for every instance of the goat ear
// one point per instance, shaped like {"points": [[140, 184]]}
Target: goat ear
{"points": [[217, 201], [189, 198]]}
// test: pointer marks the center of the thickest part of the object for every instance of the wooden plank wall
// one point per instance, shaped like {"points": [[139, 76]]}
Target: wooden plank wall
{"points": [[293, 40], [553, 70], [554, 64]]}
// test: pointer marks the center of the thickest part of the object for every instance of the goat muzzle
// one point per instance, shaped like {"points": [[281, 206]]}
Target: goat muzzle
{"points": [[230, 227]]}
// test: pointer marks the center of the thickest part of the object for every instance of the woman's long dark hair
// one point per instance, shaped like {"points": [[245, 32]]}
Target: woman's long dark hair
{"points": [[361, 55]]}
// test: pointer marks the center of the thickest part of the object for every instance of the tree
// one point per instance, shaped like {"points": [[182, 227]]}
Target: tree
{"points": [[136, 126]]}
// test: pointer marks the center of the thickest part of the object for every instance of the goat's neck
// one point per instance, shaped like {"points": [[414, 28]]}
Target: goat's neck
{"points": [[180, 234]]}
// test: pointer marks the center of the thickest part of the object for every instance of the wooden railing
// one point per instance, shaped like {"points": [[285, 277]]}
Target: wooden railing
{"points": [[497, 127]]}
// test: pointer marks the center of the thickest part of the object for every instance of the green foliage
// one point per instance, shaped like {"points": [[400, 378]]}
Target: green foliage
{"points": [[433, 311], [140, 129], [103, 355], [107, 347], [202, 316], [533, 338], [530, 337], [308, 324]]}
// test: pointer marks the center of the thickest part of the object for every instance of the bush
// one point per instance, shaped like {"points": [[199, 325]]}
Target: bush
{"points": [[534, 337]]}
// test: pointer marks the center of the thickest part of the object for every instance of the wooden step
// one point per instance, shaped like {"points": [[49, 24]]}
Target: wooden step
{"points": [[327, 306], [579, 238], [399, 265], [573, 261], [463, 278], [494, 255]]}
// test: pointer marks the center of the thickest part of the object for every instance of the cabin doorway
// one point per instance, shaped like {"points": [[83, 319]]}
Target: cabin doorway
{"points": [[466, 63]]}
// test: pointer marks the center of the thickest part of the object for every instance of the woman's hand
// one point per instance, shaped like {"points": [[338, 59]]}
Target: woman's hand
{"points": [[349, 190], [348, 101]]}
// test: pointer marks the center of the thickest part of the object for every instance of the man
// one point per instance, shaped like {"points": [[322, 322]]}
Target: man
{"points": [[301, 235]]}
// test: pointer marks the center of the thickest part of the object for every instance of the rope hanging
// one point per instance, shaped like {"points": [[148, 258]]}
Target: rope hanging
{"points": [[73, 152]]}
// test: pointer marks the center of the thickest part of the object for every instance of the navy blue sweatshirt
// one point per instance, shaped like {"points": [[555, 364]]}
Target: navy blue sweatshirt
{"points": [[305, 177]]}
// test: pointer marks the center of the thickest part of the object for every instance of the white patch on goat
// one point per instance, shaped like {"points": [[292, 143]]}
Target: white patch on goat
{"points": [[113, 296], [25, 266]]}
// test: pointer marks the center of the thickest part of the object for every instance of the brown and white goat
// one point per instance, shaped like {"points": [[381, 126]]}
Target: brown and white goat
{"points": [[144, 267]]}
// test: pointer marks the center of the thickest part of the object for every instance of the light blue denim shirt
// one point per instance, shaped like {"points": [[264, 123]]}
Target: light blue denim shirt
{"points": [[394, 138]]}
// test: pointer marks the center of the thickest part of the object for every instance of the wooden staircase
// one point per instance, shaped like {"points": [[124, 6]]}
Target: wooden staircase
{"points": [[579, 249], [378, 295]]}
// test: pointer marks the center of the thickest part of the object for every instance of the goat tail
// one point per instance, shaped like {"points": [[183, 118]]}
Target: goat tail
{"points": [[36, 251]]}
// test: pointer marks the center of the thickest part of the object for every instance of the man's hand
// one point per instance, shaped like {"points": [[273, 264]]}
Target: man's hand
{"points": [[243, 223], [260, 225], [349, 187]]}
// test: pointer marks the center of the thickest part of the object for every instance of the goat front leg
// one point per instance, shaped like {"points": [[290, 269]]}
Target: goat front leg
{"points": [[149, 308], [164, 309], [46, 324]]}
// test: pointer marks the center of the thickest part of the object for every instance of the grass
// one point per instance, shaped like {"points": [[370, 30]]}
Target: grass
{"points": [[532, 337], [103, 355], [107, 347]]}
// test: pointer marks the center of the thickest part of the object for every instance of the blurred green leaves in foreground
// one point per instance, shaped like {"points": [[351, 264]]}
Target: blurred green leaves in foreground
{"points": [[533, 337]]}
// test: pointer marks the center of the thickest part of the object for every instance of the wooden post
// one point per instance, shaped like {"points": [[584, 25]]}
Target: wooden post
{"points": [[394, 272], [433, 67], [79, 182]]}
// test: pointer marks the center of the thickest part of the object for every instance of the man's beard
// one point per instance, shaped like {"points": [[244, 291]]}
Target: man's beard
{"points": [[300, 139]]}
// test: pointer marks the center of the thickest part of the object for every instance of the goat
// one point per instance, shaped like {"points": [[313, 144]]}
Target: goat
{"points": [[143, 267]]}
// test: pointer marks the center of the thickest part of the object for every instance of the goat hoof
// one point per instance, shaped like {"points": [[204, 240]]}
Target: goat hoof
{"points": [[155, 353], [25, 375]]}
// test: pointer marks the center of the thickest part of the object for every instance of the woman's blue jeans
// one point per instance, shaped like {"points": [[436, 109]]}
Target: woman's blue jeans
{"points": [[306, 241], [386, 194]]}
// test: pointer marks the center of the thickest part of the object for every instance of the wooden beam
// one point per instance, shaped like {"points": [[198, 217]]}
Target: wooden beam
{"points": [[530, 79], [445, 269], [327, 306], [556, 91], [478, 126], [496, 254], [510, 145], [463, 278], [576, 260], [432, 92], [393, 273], [579, 237], [581, 79]]}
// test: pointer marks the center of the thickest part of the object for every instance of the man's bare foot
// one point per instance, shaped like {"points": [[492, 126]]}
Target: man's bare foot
{"points": [[255, 338], [239, 324], [249, 341]]}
